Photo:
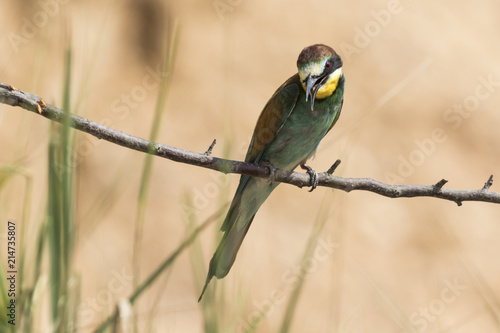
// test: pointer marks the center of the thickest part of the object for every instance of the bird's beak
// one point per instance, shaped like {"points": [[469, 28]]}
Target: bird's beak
{"points": [[312, 88]]}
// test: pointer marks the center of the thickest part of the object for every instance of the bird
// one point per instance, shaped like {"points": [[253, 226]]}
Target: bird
{"points": [[288, 131]]}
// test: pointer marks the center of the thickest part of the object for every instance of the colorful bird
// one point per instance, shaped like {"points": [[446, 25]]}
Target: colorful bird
{"points": [[287, 134]]}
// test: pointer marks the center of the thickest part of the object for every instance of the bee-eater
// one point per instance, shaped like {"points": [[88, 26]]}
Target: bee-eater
{"points": [[288, 132]]}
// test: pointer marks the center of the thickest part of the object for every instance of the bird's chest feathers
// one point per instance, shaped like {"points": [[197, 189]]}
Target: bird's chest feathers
{"points": [[308, 124]]}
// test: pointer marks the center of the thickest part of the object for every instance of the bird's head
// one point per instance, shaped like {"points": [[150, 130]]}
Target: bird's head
{"points": [[320, 69]]}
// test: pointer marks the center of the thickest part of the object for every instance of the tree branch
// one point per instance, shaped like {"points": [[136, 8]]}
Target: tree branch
{"points": [[11, 96]]}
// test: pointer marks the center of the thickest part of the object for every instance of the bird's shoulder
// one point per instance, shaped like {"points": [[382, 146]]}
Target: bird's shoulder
{"points": [[273, 116]]}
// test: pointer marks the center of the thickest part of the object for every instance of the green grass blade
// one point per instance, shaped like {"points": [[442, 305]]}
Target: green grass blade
{"points": [[211, 313], [163, 266], [67, 181], [308, 253], [148, 162], [54, 226], [6, 173], [60, 220]]}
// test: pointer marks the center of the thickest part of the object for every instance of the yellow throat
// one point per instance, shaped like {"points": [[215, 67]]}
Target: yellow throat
{"points": [[328, 87]]}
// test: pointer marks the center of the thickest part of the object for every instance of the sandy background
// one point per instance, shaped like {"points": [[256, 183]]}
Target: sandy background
{"points": [[405, 265]]}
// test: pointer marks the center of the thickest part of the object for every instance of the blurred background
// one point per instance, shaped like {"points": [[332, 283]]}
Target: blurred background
{"points": [[421, 104]]}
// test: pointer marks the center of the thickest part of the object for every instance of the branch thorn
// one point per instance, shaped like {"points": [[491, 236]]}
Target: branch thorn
{"points": [[439, 185], [488, 184], [333, 167], [209, 150]]}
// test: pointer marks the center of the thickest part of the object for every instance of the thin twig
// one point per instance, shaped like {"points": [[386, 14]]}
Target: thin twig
{"points": [[439, 185], [488, 183], [30, 102], [209, 150], [333, 167]]}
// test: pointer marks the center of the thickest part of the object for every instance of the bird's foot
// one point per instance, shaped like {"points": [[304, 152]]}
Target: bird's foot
{"points": [[271, 167], [313, 174]]}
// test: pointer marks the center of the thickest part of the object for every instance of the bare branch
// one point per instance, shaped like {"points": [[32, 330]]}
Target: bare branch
{"points": [[33, 103]]}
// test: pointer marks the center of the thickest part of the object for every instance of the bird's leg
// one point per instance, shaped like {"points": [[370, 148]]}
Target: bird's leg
{"points": [[312, 173], [271, 167]]}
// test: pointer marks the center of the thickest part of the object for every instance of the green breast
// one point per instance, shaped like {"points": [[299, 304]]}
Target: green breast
{"points": [[304, 129]]}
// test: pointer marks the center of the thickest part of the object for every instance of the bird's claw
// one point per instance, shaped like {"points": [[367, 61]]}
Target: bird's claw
{"points": [[312, 174]]}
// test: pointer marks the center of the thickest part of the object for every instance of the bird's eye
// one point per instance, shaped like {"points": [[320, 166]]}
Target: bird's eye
{"points": [[328, 65]]}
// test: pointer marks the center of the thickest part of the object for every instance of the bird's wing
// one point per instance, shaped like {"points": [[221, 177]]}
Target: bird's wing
{"points": [[337, 115], [273, 117], [271, 120]]}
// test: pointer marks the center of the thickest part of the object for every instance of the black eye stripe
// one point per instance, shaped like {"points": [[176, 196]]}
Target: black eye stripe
{"points": [[332, 63]]}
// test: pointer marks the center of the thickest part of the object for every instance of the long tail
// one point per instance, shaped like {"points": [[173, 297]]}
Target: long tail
{"points": [[224, 256], [246, 202]]}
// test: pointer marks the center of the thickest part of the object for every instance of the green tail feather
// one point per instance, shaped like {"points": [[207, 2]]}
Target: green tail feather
{"points": [[250, 195], [225, 255]]}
